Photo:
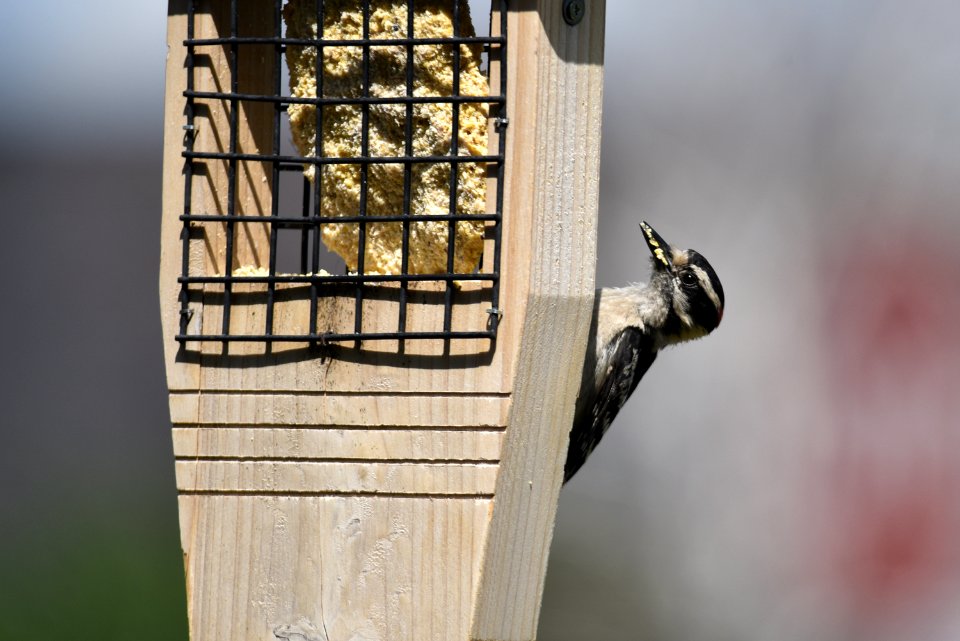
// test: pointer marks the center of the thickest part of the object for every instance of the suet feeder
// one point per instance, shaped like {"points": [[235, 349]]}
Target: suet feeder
{"points": [[377, 276]]}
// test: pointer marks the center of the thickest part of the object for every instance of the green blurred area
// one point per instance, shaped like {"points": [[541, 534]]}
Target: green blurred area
{"points": [[91, 570]]}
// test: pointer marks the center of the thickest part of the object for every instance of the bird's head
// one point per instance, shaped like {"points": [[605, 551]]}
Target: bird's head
{"points": [[688, 286]]}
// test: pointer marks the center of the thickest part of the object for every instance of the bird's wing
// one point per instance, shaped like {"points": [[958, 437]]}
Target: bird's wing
{"points": [[630, 357]]}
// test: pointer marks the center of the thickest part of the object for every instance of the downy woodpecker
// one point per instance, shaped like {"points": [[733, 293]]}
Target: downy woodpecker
{"points": [[683, 301]]}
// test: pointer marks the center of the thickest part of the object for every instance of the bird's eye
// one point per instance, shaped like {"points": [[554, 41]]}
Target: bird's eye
{"points": [[689, 279]]}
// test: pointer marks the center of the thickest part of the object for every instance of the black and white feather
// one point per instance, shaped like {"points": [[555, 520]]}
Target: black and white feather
{"points": [[683, 301]]}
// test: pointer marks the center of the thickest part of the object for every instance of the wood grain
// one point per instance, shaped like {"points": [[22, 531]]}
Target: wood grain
{"points": [[329, 568], [370, 410], [314, 477], [556, 144], [326, 443]]}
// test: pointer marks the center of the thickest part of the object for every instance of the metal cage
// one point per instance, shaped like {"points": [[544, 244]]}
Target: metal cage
{"points": [[306, 218]]}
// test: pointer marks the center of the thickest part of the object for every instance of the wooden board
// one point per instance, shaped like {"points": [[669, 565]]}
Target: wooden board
{"points": [[262, 568], [556, 80], [373, 494]]}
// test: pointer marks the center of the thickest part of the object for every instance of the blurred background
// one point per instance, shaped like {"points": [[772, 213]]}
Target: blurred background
{"points": [[794, 476]]}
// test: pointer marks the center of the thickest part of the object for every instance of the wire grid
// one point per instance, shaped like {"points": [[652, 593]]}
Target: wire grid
{"points": [[310, 219]]}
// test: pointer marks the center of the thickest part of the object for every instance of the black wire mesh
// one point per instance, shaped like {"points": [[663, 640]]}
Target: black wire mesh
{"points": [[315, 283]]}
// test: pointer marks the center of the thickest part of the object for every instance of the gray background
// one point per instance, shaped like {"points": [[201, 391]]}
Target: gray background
{"points": [[793, 476]]}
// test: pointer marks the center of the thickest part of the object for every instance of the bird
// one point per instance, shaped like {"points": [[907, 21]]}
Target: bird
{"points": [[682, 301]]}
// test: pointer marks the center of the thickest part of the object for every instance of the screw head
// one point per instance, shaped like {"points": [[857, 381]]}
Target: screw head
{"points": [[573, 11]]}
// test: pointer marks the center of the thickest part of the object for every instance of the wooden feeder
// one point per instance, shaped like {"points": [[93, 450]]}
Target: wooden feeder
{"points": [[364, 454]]}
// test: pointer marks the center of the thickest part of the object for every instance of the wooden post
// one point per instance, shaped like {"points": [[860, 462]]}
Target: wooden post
{"points": [[374, 494], [556, 80]]}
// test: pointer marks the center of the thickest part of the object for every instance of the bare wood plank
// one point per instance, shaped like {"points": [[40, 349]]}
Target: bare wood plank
{"points": [[399, 562], [558, 138], [337, 410], [314, 444], [442, 479]]}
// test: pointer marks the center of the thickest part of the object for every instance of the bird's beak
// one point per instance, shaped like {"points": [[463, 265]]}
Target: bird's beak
{"points": [[662, 254]]}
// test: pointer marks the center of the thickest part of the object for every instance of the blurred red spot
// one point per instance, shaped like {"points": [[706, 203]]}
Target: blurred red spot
{"points": [[890, 491], [891, 306], [892, 549]]}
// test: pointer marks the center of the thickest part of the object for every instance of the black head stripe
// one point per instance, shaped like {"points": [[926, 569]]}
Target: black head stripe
{"points": [[696, 259]]}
